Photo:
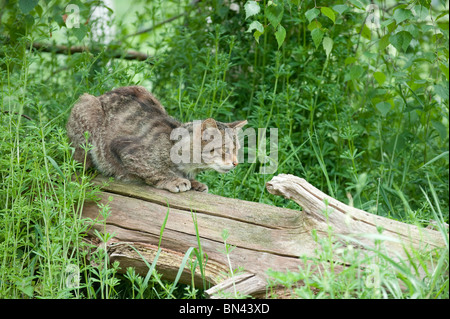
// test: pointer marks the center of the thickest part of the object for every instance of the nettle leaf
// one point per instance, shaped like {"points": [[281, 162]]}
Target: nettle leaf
{"points": [[274, 13], [350, 60], [401, 40], [329, 13], [383, 107], [26, 6], [340, 8], [280, 35], [444, 68], [312, 14], [317, 35], [328, 45], [366, 33], [251, 8], [441, 129], [421, 12], [313, 25], [355, 73], [80, 32], [357, 4], [380, 77], [401, 15], [441, 91], [257, 34], [384, 42], [256, 25]]}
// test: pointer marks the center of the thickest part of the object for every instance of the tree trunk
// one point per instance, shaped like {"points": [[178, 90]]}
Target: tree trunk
{"points": [[265, 237]]}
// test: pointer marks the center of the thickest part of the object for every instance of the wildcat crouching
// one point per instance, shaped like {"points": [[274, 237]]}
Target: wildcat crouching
{"points": [[133, 138]]}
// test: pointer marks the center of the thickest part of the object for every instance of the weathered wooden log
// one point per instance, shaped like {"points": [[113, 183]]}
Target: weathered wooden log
{"points": [[351, 221], [265, 237]]}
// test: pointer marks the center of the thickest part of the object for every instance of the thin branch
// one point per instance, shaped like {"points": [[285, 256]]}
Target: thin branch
{"points": [[62, 49], [16, 113]]}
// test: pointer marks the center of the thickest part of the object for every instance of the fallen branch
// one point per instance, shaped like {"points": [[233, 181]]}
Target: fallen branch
{"points": [[62, 49], [265, 237]]}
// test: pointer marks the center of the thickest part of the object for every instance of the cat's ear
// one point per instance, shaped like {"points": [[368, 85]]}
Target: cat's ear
{"points": [[209, 123], [237, 124]]}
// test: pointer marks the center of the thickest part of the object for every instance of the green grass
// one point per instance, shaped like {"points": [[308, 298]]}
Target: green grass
{"points": [[335, 130]]}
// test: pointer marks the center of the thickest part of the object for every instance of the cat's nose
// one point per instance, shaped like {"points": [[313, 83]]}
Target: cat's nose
{"points": [[235, 163]]}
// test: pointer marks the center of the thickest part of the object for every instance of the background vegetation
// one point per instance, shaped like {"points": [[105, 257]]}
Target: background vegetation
{"points": [[361, 107]]}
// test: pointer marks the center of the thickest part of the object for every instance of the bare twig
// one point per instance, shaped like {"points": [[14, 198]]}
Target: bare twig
{"points": [[23, 115]]}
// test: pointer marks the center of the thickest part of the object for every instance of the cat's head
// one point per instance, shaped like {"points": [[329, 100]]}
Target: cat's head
{"points": [[207, 144]]}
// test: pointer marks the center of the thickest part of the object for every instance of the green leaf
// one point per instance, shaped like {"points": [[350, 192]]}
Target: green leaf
{"points": [[280, 35], [355, 73], [380, 77], [327, 45], [413, 30], [56, 166], [26, 6], [340, 8], [383, 107], [383, 43], [312, 14], [329, 13], [274, 13], [401, 40], [441, 91], [366, 33], [357, 4], [256, 35], [39, 11], [401, 15], [251, 8], [313, 25], [349, 60], [441, 128], [80, 32], [256, 25], [443, 14], [317, 35], [444, 69], [421, 12]]}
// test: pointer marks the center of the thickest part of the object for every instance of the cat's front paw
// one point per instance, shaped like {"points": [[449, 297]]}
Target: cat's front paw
{"points": [[178, 185], [199, 187]]}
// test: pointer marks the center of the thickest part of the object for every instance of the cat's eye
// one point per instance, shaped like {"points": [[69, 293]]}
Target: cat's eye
{"points": [[215, 151]]}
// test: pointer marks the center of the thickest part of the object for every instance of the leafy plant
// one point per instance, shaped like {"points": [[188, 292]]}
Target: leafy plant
{"points": [[358, 91]]}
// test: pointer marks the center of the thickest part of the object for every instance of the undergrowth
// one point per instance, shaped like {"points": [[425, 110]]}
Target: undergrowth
{"points": [[361, 113]]}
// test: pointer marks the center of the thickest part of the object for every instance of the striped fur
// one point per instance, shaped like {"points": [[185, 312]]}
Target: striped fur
{"points": [[129, 131]]}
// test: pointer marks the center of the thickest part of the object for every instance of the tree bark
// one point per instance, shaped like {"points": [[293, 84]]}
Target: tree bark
{"points": [[265, 237]]}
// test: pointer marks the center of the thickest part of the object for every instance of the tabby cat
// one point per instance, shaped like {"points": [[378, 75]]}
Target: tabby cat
{"points": [[132, 138]]}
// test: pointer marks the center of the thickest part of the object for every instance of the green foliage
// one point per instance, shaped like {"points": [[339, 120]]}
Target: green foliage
{"points": [[358, 93], [371, 98]]}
